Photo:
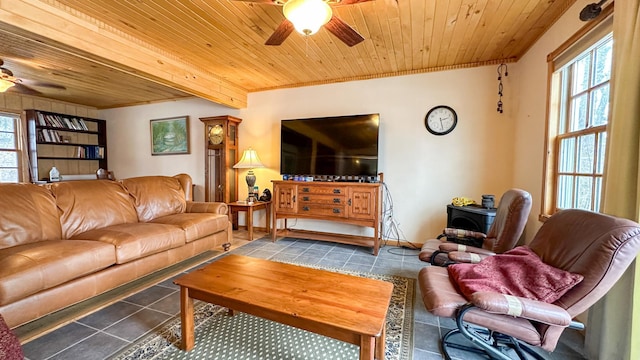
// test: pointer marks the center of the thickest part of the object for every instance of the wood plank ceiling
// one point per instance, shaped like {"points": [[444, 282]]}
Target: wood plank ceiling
{"points": [[222, 41]]}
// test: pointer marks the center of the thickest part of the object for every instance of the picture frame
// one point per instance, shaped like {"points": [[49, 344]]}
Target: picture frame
{"points": [[170, 136]]}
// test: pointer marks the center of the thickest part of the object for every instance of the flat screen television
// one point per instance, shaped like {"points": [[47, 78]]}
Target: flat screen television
{"points": [[330, 146]]}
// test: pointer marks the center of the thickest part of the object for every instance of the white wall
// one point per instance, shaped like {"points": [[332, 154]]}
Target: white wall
{"points": [[423, 172], [129, 139], [530, 80]]}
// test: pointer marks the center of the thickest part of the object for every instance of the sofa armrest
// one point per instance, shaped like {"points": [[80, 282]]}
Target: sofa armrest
{"points": [[539, 311], [207, 207]]}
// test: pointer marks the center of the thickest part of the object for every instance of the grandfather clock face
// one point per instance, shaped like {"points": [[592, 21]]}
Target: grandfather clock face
{"points": [[221, 153]]}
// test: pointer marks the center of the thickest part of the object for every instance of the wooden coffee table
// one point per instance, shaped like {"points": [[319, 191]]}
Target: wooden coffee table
{"points": [[344, 307]]}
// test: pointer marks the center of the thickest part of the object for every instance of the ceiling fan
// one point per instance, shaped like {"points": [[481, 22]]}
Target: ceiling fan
{"points": [[9, 82], [308, 16]]}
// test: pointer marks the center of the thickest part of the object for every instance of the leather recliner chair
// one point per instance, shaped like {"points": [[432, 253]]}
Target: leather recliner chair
{"points": [[596, 246], [504, 233]]}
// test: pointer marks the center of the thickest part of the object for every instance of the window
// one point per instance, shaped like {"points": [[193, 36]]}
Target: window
{"points": [[9, 148], [579, 93]]}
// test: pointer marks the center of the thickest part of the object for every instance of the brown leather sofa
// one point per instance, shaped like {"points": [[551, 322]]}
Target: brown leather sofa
{"points": [[65, 242]]}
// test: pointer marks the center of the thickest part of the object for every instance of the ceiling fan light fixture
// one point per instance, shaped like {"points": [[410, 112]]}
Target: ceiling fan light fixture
{"points": [[5, 85], [307, 16]]}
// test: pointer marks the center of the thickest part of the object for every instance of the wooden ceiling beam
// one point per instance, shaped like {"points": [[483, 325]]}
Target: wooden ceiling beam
{"points": [[85, 37]]}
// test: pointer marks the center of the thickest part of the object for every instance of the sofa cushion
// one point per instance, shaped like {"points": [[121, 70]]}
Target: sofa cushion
{"points": [[156, 196], [29, 215], [196, 225], [134, 241], [29, 268], [88, 205]]}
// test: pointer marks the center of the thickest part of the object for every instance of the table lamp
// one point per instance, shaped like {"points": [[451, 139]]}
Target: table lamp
{"points": [[249, 160]]}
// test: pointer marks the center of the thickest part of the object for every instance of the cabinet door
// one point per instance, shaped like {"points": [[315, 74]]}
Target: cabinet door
{"points": [[362, 202], [285, 198]]}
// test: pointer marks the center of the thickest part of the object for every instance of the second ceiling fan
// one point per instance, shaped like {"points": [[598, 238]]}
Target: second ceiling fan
{"points": [[308, 16]]}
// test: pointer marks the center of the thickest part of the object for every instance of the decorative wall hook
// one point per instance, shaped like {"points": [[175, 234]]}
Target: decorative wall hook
{"points": [[502, 67]]}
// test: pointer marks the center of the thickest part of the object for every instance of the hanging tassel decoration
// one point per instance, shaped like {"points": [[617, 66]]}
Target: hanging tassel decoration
{"points": [[502, 67]]}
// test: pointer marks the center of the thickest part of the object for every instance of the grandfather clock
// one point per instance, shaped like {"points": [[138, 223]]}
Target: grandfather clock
{"points": [[221, 153]]}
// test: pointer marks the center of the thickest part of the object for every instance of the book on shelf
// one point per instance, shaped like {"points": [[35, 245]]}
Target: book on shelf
{"points": [[64, 122], [94, 152]]}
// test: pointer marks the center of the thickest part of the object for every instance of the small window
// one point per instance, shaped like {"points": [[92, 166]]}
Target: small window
{"points": [[577, 125], [9, 148]]}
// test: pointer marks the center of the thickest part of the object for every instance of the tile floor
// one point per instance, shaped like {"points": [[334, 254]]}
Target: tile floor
{"points": [[101, 334]]}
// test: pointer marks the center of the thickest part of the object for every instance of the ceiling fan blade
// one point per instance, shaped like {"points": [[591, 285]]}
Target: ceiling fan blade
{"points": [[266, 2], [343, 31], [348, 2], [23, 89], [282, 32], [42, 84]]}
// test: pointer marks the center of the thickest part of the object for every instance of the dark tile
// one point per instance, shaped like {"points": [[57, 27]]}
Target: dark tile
{"points": [[137, 324], [422, 315], [284, 257], [337, 255], [110, 315], [426, 337], [419, 354], [169, 305], [302, 244], [357, 267], [318, 253], [96, 347], [474, 354], [361, 250], [363, 259], [332, 263], [56, 341], [274, 246], [323, 245], [149, 295], [292, 250], [169, 282], [447, 323], [304, 259]]}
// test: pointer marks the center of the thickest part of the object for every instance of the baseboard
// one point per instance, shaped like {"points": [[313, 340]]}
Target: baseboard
{"points": [[402, 244]]}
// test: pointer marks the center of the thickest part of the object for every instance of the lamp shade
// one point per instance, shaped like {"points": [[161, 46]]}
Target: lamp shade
{"points": [[307, 16], [5, 85], [249, 160]]}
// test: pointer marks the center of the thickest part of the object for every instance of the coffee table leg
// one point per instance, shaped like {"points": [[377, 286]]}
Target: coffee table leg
{"points": [[380, 343], [186, 316], [367, 345]]}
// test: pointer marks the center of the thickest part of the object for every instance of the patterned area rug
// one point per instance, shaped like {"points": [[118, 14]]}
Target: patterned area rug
{"points": [[242, 336]]}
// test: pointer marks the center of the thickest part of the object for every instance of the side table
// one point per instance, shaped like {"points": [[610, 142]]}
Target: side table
{"points": [[237, 206]]}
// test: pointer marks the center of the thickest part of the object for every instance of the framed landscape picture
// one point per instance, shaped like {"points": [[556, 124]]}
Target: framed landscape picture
{"points": [[170, 136]]}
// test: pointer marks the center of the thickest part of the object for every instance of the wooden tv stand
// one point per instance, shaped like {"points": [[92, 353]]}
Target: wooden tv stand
{"points": [[346, 202]]}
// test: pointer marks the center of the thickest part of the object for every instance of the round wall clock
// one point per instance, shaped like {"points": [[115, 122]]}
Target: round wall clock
{"points": [[441, 120], [216, 134]]}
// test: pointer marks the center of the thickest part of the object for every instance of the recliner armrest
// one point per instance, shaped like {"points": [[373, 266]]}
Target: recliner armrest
{"points": [[207, 207], [468, 257], [545, 313], [451, 247], [452, 232]]}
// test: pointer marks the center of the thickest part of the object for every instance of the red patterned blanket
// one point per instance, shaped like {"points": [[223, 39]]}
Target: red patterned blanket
{"points": [[517, 272], [10, 348]]}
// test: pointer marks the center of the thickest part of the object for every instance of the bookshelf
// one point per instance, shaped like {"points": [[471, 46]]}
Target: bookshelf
{"points": [[74, 145]]}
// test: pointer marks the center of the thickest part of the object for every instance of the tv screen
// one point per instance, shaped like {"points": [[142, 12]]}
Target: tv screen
{"points": [[330, 146]]}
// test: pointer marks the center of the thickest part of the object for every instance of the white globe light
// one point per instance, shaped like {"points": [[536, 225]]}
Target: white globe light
{"points": [[307, 16]]}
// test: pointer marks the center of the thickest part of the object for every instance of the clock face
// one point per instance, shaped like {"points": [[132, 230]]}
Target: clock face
{"points": [[216, 134], [441, 120]]}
